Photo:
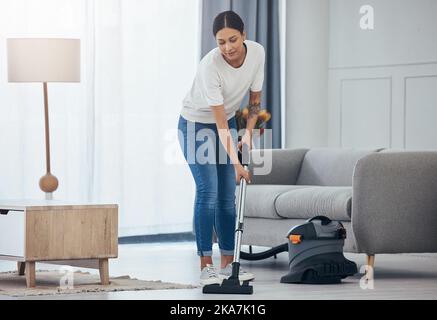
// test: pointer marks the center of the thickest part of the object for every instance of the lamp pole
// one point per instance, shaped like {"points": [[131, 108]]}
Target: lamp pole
{"points": [[48, 183]]}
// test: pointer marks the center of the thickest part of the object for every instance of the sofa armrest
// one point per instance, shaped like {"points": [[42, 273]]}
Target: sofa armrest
{"points": [[276, 166], [394, 202]]}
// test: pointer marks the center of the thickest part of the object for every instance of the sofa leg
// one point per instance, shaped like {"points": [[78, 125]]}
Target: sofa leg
{"points": [[21, 266], [370, 266]]}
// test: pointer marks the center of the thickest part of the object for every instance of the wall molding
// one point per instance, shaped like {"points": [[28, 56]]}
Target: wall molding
{"points": [[382, 65], [342, 81], [405, 102]]}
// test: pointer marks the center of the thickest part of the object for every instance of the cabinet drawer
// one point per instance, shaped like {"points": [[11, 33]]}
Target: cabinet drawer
{"points": [[12, 233]]}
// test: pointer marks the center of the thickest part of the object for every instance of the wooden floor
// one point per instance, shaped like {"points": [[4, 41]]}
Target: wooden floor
{"points": [[400, 276]]}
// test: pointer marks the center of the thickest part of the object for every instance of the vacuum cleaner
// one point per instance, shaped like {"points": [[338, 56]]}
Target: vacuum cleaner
{"points": [[232, 285], [315, 250]]}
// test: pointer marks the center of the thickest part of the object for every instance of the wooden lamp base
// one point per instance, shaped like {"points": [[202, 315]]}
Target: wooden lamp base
{"points": [[48, 183]]}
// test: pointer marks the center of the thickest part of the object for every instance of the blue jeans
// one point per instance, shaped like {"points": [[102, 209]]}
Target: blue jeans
{"points": [[214, 176]]}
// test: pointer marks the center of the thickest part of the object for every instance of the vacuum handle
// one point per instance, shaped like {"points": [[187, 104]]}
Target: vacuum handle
{"points": [[243, 155]]}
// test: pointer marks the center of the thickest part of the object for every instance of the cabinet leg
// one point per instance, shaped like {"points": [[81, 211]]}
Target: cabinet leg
{"points": [[104, 271], [21, 267], [30, 274]]}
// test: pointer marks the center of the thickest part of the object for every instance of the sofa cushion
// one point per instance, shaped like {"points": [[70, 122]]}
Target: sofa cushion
{"points": [[333, 202], [260, 199], [276, 166], [330, 167]]}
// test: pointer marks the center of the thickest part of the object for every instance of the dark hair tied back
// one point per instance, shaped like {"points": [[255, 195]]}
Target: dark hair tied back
{"points": [[227, 19]]}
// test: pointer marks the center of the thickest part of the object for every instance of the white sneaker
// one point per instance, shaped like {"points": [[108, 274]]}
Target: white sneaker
{"points": [[209, 275], [226, 272]]}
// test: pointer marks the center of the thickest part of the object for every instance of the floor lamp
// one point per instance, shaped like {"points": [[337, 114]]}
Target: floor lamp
{"points": [[44, 60]]}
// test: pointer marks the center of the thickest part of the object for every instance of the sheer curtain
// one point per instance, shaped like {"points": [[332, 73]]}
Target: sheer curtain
{"points": [[113, 136]]}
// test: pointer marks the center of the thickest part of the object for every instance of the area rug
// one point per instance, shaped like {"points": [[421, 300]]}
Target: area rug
{"points": [[54, 282]]}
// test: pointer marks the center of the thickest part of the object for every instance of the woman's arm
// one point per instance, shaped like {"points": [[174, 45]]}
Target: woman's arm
{"points": [[227, 141], [224, 133], [254, 107]]}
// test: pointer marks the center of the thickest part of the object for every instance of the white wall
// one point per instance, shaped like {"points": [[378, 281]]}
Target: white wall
{"points": [[348, 87], [382, 82], [307, 50]]}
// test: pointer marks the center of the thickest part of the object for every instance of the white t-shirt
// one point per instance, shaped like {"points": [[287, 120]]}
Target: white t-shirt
{"points": [[218, 83]]}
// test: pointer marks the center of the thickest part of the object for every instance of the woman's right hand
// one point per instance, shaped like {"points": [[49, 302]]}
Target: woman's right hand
{"points": [[241, 172]]}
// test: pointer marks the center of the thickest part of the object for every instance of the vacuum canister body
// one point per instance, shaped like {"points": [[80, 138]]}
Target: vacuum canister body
{"points": [[315, 251]]}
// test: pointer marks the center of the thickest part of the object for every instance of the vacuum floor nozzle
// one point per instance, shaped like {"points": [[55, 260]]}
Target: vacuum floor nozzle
{"points": [[229, 286]]}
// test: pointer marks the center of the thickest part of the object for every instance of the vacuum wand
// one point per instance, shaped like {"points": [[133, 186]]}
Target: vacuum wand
{"points": [[239, 225]]}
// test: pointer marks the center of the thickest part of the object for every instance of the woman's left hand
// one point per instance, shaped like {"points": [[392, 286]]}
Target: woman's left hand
{"points": [[247, 139]]}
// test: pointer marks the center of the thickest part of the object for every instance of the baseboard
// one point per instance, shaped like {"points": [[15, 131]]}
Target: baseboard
{"points": [[153, 238]]}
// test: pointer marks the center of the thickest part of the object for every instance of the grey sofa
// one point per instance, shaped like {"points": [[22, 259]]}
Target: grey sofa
{"points": [[386, 199]]}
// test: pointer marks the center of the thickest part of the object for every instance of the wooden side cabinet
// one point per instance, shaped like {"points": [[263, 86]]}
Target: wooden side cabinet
{"points": [[58, 232]]}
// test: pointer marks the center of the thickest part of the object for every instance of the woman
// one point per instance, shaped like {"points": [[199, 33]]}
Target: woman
{"points": [[207, 128]]}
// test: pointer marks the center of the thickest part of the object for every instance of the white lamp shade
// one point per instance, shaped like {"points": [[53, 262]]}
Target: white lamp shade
{"points": [[43, 60]]}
